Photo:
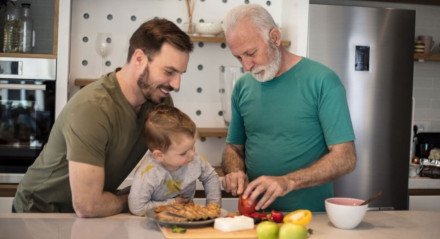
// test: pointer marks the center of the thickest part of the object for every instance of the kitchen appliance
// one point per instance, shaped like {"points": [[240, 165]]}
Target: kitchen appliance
{"points": [[27, 113], [371, 49]]}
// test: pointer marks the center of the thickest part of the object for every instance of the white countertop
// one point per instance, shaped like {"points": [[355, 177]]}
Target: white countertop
{"points": [[376, 225]]}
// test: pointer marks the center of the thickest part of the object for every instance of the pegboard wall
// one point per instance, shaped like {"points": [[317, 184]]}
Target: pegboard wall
{"points": [[199, 95]]}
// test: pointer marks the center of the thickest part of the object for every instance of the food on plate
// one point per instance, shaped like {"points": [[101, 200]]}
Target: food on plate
{"points": [[230, 224], [184, 212], [176, 229], [301, 217], [267, 230], [292, 231], [245, 206]]}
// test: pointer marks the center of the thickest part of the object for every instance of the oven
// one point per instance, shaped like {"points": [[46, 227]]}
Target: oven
{"points": [[27, 111]]}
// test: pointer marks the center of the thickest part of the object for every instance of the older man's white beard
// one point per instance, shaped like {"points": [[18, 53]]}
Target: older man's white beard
{"points": [[269, 71]]}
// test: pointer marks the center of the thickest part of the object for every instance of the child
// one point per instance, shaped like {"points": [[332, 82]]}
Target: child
{"points": [[170, 168]]}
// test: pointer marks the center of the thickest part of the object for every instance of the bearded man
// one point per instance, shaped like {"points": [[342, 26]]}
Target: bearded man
{"points": [[97, 139], [290, 133]]}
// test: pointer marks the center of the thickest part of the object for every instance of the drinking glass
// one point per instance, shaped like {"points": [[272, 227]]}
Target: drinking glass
{"points": [[228, 76], [103, 46]]}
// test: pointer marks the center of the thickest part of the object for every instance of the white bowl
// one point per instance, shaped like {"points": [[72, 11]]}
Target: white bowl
{"points": [[345, 213], [209, 28]]}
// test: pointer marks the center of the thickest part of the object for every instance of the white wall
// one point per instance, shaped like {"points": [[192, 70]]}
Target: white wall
{"points": [[199, 94], [63, 55]]}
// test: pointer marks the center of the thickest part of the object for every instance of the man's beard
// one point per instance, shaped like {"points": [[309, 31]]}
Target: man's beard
{"points": [[148, 88], [270, 70]]}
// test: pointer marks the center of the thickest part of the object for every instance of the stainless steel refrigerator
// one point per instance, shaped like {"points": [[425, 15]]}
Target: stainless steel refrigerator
{"points": [[371, 49]]}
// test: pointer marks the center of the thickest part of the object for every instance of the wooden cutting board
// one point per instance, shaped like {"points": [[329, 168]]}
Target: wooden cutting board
{"points": [[208, 232]]}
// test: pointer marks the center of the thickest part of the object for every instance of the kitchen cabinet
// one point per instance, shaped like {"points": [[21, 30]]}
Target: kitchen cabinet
{"points": [[44, 14], [7, 189], [424, 194], [424, 203], [5, 204], [425, 2]]}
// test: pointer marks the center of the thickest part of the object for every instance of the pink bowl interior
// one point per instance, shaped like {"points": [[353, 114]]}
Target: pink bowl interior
{"points": [[345, 201]]}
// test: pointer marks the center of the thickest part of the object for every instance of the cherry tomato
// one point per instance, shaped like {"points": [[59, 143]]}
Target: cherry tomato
{"points": [[245, 206]]}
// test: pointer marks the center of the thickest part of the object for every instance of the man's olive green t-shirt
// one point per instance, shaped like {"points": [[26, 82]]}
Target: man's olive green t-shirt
{"points": [[97, 126]]}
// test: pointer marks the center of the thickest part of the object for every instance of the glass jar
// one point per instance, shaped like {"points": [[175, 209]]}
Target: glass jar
{"points": [[26, 29], [11, 32]]}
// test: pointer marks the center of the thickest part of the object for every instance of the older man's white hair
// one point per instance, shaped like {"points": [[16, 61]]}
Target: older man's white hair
{"points": [[258, 15]]}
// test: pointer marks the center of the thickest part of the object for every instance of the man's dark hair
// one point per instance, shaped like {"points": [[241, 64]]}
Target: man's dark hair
{"points": [[151, 35]]}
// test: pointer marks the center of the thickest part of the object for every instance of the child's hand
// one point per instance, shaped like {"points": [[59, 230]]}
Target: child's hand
{"points": [[181, 200]]}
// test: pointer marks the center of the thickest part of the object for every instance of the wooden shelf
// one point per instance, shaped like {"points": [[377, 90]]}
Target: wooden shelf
{"points": [[221, 39], [28, 55], [426, 57], [212, 132]]}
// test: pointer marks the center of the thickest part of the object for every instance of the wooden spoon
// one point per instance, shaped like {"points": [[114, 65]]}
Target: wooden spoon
{"points": [[371, 198]]}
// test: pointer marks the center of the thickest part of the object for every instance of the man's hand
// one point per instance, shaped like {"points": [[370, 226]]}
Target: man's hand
{"points": [[235, 182], [340, 159], [270, 187]]}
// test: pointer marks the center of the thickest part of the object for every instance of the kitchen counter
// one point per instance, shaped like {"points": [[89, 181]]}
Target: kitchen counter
{"points": [[376, 224]]}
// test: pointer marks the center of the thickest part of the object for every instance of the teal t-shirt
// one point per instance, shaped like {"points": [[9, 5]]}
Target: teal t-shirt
{"points": [[287, 123]]}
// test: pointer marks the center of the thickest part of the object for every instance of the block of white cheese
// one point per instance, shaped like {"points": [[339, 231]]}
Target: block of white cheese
{"points": [[230, 224]]}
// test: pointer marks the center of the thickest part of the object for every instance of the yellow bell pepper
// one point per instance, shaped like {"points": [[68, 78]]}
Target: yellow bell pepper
{"points": [[301, 217]]}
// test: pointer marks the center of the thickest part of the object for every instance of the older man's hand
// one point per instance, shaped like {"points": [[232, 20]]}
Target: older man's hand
{"points": [[270, 187], [235, 182]]}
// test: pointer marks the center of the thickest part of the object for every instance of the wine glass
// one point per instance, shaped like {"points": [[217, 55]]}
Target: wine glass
{"points": [[103, 45]]}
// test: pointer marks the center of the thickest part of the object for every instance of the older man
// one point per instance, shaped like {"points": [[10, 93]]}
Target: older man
{"points": [[290, 133]]}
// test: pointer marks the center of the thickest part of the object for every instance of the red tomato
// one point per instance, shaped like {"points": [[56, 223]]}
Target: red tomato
{"points": [[245, 206]]}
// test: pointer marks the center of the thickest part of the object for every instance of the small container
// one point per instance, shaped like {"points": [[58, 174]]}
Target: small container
{"points": [[11, 31], [209, 28], [345, 213]]}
